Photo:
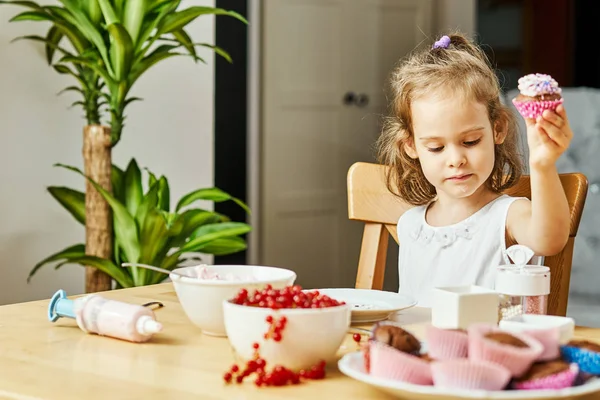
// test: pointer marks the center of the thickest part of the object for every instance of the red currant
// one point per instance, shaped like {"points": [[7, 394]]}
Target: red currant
{"points": [[356, 337]]}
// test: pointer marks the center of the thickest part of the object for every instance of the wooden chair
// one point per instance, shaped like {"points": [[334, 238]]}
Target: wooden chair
{"points": [[370, 201]]}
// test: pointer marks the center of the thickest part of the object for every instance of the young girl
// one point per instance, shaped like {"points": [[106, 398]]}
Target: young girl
{"points": [[452, 148]]}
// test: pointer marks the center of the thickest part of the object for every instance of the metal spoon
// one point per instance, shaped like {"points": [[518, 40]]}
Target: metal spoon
{"points": [[158, 269]]}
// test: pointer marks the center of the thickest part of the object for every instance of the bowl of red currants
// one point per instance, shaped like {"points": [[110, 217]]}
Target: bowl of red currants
{"points": [[291, 327], [202, 289]]}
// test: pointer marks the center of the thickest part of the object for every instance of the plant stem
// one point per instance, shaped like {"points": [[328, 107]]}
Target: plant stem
{"points": [[98, 222]]}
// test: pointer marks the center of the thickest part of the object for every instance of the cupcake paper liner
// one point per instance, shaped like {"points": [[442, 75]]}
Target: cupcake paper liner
{"points": [[366, 355], [587, 360], [445, 344], [560, 380], [516, 360], [469, 374], [533, 109], [550, 340], [388, 363]]}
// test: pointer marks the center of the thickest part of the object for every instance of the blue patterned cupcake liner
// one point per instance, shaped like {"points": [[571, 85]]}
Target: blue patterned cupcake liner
{"points": [[588, 361]]}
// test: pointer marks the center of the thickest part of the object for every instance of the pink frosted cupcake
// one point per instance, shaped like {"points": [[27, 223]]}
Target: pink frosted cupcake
{"points": [[538, 92], [390, 363], [556, 374], [514, 351], [469, 374], [446, 344]]}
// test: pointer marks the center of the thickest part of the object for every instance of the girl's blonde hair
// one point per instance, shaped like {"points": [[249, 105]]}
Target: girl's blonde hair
{"points": [[461, 68]]}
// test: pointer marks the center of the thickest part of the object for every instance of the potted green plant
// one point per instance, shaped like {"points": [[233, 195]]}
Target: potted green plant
{"points": [[148, 229], [115, 42]]}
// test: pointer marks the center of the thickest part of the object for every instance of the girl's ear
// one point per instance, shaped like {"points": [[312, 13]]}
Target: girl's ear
{"points": [[409, 148], [500, 131]]}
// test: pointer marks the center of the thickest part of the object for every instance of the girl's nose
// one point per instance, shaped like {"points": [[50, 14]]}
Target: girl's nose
{"points": [[456, 157]]}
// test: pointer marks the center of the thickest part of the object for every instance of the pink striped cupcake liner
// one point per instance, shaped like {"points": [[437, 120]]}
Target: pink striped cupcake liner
{"points": [[443, 344], [462, 373], [516, 360], [533, 109], [550, 340], [389, 363], [560, 380]]}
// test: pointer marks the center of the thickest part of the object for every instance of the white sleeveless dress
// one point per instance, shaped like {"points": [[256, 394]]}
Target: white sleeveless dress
{"points": [[464, 253]]}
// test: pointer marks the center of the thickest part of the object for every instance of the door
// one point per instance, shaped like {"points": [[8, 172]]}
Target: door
{"points": [[325, 69]]}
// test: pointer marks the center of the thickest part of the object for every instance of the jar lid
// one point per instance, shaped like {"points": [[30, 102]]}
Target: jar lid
{"points": [[529, 280]]}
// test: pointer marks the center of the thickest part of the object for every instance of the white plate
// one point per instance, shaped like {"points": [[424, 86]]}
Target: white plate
{"points": [[371, 305], [352, 364]]}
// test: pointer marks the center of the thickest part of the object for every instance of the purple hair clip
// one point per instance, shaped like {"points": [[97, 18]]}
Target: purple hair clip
{"points": [[444, 42]]}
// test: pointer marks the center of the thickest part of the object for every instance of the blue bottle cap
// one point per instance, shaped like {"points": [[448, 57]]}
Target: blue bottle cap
{"points": [[60, 306]]}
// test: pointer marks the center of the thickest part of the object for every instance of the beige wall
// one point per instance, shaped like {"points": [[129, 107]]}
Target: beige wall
{"points": [[170, 132], [455, 14]]}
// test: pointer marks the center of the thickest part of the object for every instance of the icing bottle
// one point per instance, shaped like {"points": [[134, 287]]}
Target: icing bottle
{"points": [[96, 314]]}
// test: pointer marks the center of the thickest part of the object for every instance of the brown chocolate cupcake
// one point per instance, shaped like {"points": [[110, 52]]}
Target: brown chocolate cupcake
{"points": [[506, 338], [397, 338], [544, 369], [585, 344]]}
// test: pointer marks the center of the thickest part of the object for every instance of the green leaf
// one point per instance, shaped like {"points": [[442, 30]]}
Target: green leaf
{"points": [[223, 246], [93, 11], [147, 29], [208, 233], [164, 194], [89, 31], [32, 16], [160, 53], [212, 194], [192, 220], [72, 200], [110, 16], [117, 273], [78, 41], [217, 50], [63, 69], [117, 179], [121, 50], [71, 89], [53, 38], [133, 16], [151, 178], [77, 250], [90, 64], [149, 203], [178, 20], [153, 237], [133, 187], [124, 224], [43, 40], [28, 4], [185, 40]]}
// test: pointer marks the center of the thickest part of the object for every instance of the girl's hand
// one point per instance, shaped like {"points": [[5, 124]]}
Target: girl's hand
{"points": [[548, 137]]}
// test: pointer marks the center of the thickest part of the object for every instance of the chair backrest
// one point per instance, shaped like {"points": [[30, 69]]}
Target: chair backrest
{"points": [[370, 201]]}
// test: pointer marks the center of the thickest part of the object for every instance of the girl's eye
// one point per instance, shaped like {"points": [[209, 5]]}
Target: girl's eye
{"points": [[435, 149], [472, 142]]}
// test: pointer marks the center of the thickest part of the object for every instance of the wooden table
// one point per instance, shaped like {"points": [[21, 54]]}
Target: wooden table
{"points": [[44, 360]]}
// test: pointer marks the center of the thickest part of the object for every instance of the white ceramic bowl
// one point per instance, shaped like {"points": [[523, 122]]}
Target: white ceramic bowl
{"points": [[202, 299], [310, 335]]}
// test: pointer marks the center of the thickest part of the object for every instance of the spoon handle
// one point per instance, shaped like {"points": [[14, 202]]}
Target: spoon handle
{"points": [[152, 267]]}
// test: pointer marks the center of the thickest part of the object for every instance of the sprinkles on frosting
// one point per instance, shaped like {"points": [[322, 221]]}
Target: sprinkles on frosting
{"points": [[537, 84]]}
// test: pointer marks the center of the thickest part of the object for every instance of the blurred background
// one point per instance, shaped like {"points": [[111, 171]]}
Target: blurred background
{"points": [[279, 127]]}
